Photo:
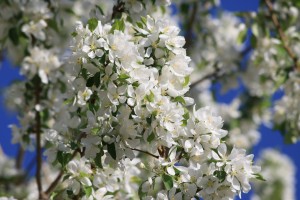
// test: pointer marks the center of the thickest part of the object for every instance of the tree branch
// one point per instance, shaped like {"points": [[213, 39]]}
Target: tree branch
{"points": [[117, 9], [145, 152], [53, 185], [38, 174], [189, 28], [212, 75], [282, 36], [19, 158]]}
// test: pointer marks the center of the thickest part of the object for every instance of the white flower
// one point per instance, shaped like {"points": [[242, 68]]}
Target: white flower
{"points": [[83, 97], [116, 94], [92, 47], [90, 143], [209, 122], [208, 183], [36, 29], [179, 65]]}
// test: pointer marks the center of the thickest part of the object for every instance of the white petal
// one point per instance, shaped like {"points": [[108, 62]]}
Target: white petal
{"points": [[171, 171]]}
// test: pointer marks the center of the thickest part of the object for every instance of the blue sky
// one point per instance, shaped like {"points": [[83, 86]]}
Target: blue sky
{"points": [[269, 138]]}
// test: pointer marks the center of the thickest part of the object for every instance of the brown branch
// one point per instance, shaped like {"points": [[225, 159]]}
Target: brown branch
{"points": [[212, 75], [19, 158], [282, 36], [145, 152], [189, 28], [38, 174], [217, 73], [117, 9], [53, 185]]}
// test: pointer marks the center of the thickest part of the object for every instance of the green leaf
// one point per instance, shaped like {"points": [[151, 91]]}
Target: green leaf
{"points": [[150, 97], [221, 175], [90, 82], [14, 36], [242, 36], [66, 177], [135, 84], [97, 160], [63, 158], [84, 73], [186, 81], [53, 195], [259, 177], [123, 77], [140, 191], [255, 30], [186, 117], [68, 101], [88, 191], [92, 23], [112, 150], [97, 79], [151, 137], [253, 41], [53, 24], [168, 181], [74, 34], [180, 99], [118, 25], [144, 20], [149, 120], [140, 25]]}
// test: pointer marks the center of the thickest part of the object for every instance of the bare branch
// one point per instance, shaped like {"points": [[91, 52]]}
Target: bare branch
{"points": [[190, 23], [56, 181], [19, 158], [117, 9], [212, 75], [145, 152], [282, 36], [38, 174]]}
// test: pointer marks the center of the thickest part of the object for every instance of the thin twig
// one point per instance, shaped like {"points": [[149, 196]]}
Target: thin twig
{"points": [[282, 36], [146, 152], [212, 75], [217, 73]]}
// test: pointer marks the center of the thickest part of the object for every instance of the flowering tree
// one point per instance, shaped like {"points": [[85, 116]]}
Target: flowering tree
{"points": [[120, 101]]}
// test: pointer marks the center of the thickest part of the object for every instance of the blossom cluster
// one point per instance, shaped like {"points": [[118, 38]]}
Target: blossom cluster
{"points": [[111, 110], [279, 171], [129, 82]]}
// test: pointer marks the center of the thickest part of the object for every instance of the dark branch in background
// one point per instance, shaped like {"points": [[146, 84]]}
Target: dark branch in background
{"points": [[19, 158], [282, 36], [189, 28], [213, 75], [217, 73], [118, 9], [38, 174]]}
